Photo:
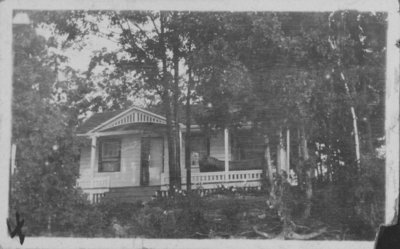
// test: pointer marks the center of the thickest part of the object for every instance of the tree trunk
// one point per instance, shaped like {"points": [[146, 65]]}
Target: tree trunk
{"points": [[173, 181], [304, 147], [268, 167], [188, 150], [369, 136], [208, 143], [356, 138], [287, 165], [352, 109], [354, 117], [171, 143], [330, 151], [281, 154], [307, 169], [299, 159], [370, 144], [335, 45], [176, 93]]}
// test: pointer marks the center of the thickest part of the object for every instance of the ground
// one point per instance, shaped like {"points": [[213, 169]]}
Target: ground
{"points": [[225, 215]]}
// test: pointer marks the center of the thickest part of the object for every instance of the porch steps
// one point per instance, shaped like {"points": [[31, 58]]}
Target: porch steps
{"points": [[131, 194]]}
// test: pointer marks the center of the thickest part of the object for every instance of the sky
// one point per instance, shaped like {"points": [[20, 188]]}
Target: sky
{"points": [[79, 58]]}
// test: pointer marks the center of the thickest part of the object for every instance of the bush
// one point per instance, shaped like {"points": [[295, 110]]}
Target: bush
{"points": [[231, 210], [356, 201], [180, 216], [369, 192]]}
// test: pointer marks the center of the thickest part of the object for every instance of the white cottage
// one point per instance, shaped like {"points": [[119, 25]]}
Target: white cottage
{"points": [[127, 157]]}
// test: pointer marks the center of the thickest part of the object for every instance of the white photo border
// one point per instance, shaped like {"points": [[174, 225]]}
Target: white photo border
{"points": [[392, 110]]}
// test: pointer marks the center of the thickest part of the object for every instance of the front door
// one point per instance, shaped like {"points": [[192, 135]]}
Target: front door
{"points": [[145, 161], [151, 161], [156, 160]]}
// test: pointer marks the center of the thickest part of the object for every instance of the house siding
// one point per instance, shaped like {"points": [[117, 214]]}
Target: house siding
{"points": [[129, 174], [84, 165]]}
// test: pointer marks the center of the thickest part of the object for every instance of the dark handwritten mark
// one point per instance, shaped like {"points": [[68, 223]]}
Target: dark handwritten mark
{"points": [[388, 237], [17, 230], [399, 5], [398, 43]]}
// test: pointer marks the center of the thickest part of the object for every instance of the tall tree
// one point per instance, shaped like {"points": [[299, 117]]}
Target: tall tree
{"points": [[43, 185]]}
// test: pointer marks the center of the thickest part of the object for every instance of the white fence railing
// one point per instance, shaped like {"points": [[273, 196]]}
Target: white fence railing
{"points": [[210, 180], [95, 188], [97, 182]]}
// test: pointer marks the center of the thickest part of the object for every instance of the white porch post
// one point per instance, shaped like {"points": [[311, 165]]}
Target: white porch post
{"points": [[287, 151], [280, 153], [93, 156], [182, 163], [226, 146]]}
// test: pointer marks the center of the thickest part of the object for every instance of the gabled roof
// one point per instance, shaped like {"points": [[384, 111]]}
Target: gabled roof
{"points": [[106, 120], [96, 120]]}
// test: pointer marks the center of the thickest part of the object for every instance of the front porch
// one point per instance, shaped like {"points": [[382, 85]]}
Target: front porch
{"points": [[97, 188], [128, 151]]}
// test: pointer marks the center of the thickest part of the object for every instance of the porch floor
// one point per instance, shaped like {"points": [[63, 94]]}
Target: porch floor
{"points": [[131, 194]]}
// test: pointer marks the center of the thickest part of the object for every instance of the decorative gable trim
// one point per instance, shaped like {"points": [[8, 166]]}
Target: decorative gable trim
{"points": [[134, 117], [130, 116]]}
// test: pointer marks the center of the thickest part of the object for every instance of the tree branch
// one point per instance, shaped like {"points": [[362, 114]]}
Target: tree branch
{"points": [[132, 38], [263, 234], [297, 236], [137, 26], [154, 24]]}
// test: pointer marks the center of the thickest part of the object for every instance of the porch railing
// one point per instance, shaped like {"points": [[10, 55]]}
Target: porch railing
{"points": [[97, 182], [211, 180], [95, 188]]}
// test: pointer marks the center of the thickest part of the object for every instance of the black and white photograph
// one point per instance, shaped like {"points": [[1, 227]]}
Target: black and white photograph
{"points": [[207, 125]]}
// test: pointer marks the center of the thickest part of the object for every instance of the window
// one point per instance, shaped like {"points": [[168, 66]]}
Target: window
{"points": [[110, 156], [199, 145]]}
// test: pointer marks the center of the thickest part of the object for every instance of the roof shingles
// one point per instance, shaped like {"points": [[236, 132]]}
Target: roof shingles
{"points": [[96, 120]]}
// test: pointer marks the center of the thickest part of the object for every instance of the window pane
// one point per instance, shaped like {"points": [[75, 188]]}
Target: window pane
{"points": [[110, 166], [110, 149]]}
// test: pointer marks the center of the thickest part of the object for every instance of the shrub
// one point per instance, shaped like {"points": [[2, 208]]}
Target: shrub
{"points": [[356, 200], [179, 216], [231, 210]]}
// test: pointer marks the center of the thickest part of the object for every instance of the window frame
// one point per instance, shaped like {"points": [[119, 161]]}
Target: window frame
{"points": [[116, 159]]}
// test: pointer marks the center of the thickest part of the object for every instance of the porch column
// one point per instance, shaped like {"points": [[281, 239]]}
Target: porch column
{"points": [[287, 151], [182, 163], [226, 146], [93, 155], [281, 153]]}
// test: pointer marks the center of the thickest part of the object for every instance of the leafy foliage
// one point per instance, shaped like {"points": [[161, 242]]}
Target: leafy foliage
{"points": [[43, 186]]}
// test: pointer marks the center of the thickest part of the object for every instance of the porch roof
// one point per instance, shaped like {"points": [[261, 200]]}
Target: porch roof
{"points": [[105, 120], [138, 126], [121, 120], [95, 120]]}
